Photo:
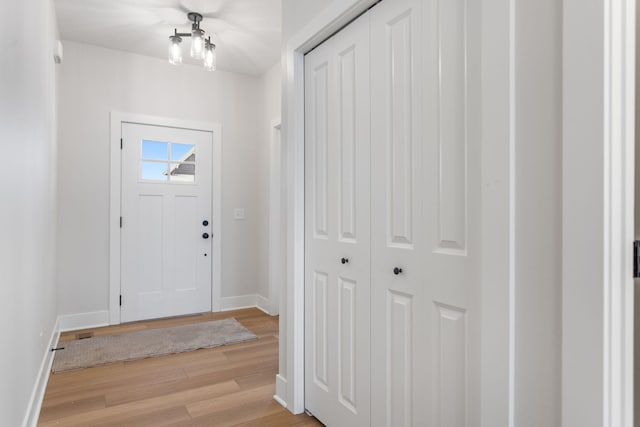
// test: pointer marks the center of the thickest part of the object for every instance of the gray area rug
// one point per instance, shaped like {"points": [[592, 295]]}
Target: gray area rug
{"points": [[153, 342]]}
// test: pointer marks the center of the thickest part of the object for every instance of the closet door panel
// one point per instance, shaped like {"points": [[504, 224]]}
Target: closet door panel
{"points": [[347, 136], [399, 126], [450, 348], [451, 159], [337, 192], [320, 327], [319, 106], [452, 122], [399, 355], [400, 370], [347, 356]]}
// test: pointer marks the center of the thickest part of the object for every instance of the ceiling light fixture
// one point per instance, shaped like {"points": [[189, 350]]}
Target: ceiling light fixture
{"points": [[201, 48]]}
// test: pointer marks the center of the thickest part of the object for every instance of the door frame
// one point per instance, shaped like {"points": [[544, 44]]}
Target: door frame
{"points": [[498, 211], [276, 241], [115, 202], [598, 212]]}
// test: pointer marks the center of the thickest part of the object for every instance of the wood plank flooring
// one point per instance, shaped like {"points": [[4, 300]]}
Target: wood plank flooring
{"points": [[223, 386]]}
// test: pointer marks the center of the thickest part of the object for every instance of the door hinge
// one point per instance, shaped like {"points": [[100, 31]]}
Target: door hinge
{"points": [[121, 143], [636, 258], [120, 300], [120, 222]]}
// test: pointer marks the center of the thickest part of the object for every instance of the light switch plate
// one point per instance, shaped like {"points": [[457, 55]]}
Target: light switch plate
{"points": [[238, 213]]}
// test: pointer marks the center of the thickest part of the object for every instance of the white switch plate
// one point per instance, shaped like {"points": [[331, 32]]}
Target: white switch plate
{"points": [[238, 213]]}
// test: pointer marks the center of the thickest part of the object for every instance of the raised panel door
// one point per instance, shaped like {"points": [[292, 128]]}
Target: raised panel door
{"points": [[166, 196], [425, 213], [337, 227], [399, 350]]}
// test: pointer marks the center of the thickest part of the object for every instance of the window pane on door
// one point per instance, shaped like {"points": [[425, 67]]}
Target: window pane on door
{"points": [[154, 171], [183, 152], [182, 172], [153, 150]]}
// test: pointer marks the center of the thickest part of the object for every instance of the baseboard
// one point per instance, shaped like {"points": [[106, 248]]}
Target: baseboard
{"points": [[37, 395], [263, 304], [235, 303], [73, 322], [281, 390]]}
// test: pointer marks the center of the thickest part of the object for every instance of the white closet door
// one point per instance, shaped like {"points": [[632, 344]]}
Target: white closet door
{"points": [[425, 214], [337, 227]]}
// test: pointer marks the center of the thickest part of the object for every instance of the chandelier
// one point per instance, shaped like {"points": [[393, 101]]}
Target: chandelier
{"points": [[201, 48]]}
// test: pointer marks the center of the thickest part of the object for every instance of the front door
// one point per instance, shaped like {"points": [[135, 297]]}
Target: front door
{"points": [[166, 222]]}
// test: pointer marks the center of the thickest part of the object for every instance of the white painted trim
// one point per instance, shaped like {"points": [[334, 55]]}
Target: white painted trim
{"points": [[276, 276], [37, 395], [74, 322], [281, 389], [115, 202], [117, 118], [598, 207], [245, 301], [216, 219], [620, 32], [336, 15], [498, 214]]}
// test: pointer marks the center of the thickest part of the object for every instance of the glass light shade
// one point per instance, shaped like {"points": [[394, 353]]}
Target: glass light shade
{"points": [[175, 51], [197, 43], [210, 58]]}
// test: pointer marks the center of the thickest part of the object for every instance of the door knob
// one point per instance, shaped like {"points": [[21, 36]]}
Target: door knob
{"points": [[205, 235], [344, 260], [205, 222], [397, 271]]}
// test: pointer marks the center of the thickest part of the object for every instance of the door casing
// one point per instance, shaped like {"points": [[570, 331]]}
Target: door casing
{"points": [[117, 118], [599, 61], [277, 253]]}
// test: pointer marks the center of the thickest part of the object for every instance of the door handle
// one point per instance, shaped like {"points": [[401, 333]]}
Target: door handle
{"points": [[397, 271], [205, 235]]}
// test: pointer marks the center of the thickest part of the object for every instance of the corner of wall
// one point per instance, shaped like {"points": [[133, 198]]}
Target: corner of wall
{"points": [[281, 390], [74, 322], [37, 395]]}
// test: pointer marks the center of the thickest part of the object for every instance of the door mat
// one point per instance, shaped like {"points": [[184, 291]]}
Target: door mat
{"points": [[102, 350]]}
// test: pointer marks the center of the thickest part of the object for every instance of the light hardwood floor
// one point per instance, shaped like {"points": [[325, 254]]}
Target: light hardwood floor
{"points": [[224, 386]]}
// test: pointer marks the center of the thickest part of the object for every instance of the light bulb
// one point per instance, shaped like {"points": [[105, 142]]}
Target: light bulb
{"points": [[197, 43], [210, 57], [175, 51]]}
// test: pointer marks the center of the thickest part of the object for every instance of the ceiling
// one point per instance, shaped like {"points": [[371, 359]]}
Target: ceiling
{"points": [[247, 33]]}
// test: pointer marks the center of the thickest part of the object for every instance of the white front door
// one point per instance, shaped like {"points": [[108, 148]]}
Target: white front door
{"points": [[166, 222], [337, 298]]}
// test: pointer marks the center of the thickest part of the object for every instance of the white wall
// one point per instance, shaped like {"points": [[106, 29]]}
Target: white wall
{"points": [[538, 286], [27, 243], [271, 105], [298, 13], [96, 81]]}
